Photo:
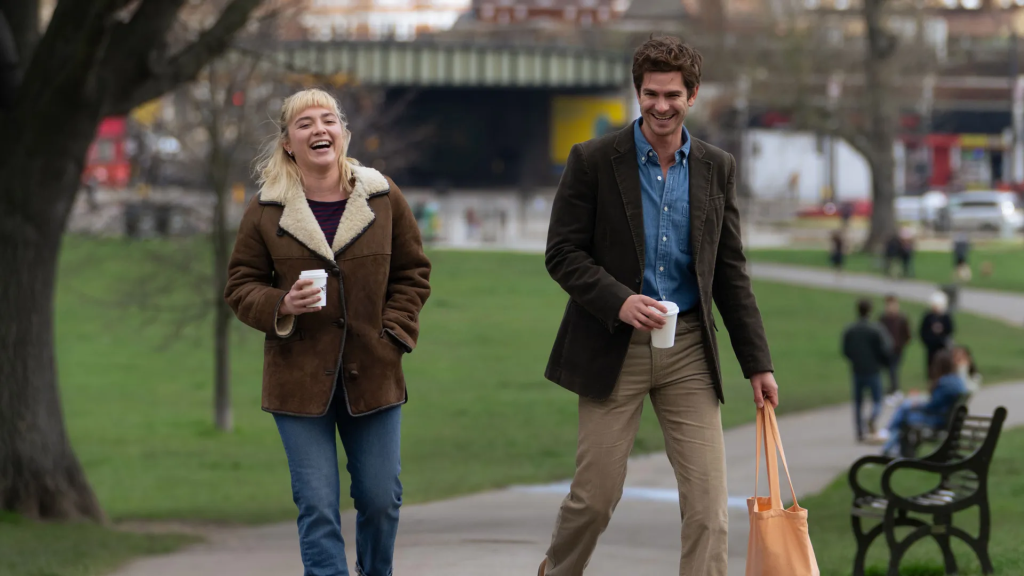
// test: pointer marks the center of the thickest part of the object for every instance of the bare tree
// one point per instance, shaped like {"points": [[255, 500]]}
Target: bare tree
{"points": [[807, 67], [230, 102], [93, 59], [222, 120]]}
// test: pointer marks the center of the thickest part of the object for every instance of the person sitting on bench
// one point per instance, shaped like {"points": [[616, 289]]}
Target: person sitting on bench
{"points": [[947, 387]]}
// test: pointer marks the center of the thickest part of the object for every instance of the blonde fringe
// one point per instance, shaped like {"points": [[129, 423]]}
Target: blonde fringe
{"points": [[275, 169]]}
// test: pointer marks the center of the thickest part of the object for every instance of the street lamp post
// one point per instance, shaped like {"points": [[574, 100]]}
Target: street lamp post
{"points": [[1016, 164]]}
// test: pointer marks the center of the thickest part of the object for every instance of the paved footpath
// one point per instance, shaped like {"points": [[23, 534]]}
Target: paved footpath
{"points": [[505, 532], [1005, 306]]}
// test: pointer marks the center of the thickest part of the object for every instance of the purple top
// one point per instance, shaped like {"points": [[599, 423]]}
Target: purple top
{"points": [[328, 215]]}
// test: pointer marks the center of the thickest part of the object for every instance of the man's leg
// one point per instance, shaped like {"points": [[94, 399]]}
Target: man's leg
{"points": [[684, 399], [894, 372], [858, 418], [606, 432], [875, 384]]}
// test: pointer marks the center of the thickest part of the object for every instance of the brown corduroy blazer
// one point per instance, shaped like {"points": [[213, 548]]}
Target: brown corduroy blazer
{"points": [[595, 251]]}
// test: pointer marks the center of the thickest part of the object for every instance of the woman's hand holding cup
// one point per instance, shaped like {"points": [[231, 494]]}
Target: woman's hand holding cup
{"points": [[304, 293]]}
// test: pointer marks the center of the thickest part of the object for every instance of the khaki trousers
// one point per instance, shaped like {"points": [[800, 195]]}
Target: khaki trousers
{"points": [[680, 384]]}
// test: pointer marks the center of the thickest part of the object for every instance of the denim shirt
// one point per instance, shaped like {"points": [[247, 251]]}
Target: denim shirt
{"points": [[947, 390], [668, 261]]}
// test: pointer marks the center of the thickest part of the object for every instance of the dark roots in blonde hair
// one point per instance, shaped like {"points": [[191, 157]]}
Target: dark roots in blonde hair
{"points": [[667, 54]]}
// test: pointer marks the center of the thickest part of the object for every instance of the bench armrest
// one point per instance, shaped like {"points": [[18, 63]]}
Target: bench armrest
{"points": [[858, 490], [943, 469]]}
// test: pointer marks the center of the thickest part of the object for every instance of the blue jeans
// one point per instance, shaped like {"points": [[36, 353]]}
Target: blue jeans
{"points": [[873, 383], [894, 372], [910, 413], [372, 444]]}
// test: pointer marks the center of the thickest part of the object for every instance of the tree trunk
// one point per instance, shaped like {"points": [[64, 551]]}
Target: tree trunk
{"points": [[40, 477], [881, 128], [222, 314]]}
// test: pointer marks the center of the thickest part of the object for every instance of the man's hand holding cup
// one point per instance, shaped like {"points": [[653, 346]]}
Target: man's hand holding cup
{"points": [[636, 311]]}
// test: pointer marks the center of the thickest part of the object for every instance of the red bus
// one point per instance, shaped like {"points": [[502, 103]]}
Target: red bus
{"points": [[107, 163]]}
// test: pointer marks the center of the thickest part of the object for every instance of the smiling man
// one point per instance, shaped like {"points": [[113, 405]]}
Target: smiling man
{"points": [[645, 215]]}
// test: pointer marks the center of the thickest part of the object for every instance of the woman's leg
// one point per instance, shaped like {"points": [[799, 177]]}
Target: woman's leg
{"points": [[313, 462], [373, 446], [898, 419]]}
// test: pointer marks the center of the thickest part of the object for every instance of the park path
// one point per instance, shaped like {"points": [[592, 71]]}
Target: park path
{"points": [[1004, 306], [505, 532]]}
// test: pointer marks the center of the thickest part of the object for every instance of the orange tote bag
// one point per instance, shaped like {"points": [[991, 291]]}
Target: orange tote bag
{"points": [[779, 544]]}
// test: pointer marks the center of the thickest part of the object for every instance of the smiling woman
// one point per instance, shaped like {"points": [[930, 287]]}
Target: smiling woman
{"points": [[330, 266]]}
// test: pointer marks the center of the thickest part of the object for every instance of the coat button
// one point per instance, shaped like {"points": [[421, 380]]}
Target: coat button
{"points": [[335, 272], [638, 279], [353, 374], [339, 323]]}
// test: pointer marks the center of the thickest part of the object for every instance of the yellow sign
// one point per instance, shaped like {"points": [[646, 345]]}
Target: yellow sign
{"points": [[987, 141], [238, 193], [147, 113], [576, 119]]}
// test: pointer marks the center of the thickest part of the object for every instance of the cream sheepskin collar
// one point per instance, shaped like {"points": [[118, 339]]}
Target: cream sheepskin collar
{"points": [[297, 218]]}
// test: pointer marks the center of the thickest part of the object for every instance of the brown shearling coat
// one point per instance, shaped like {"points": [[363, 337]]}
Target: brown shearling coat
{"points": [[378, 281]]}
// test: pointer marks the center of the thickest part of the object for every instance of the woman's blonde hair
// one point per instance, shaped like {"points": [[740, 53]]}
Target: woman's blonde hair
{"points": [[275, 168]]}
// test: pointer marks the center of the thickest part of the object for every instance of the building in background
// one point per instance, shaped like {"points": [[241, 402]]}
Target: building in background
{"points": [[583, 13], [376, 19]]}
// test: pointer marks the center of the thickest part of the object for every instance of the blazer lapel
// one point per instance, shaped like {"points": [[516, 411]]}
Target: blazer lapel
{"points": [[700, 190], [627, 175]]}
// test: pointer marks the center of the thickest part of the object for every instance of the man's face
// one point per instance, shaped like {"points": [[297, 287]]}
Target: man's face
{"points": [[664, 102], [892, 306]]}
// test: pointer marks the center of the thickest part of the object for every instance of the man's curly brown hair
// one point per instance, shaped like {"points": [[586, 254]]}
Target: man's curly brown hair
{"points": [[667, 54]]}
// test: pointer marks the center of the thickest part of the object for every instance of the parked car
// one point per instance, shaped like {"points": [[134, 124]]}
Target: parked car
{"points": [[989, 210], [925, 209]]}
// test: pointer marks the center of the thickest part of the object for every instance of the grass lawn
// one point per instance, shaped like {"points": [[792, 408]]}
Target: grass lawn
{"points": [[1007, 265], [138, 402], [29, 549], [833, 538]]}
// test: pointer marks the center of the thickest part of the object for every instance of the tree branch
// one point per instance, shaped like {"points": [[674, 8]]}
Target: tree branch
{"points": [[136, 43], [186, 64], [8, 65], [23, 19], [64, 60]]}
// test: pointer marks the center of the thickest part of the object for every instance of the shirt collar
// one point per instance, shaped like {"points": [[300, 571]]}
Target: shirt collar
{"points": [[644, 150]]}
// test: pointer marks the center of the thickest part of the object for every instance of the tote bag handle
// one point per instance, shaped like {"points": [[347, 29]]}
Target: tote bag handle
{"points": [[767, 427]]}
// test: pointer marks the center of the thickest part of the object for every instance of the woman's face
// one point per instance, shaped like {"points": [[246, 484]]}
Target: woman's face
{"points": [[960, 357], [315, 137]]}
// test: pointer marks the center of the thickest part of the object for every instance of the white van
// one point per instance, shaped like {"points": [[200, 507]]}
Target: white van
{"points": [[989, 210]]}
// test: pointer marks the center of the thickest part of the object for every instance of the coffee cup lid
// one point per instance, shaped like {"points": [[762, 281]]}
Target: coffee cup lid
{"points": [[671, 308], [313, 273]]}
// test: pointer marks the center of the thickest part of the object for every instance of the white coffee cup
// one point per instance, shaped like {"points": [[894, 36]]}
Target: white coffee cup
{"points": [[665, 337], [319, 278]]}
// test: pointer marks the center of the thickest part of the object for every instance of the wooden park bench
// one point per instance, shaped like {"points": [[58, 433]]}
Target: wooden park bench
{"points": [[962, 464], [913, 436]]}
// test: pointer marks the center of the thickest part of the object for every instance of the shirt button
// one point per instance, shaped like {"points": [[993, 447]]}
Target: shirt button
{"points": [[661, 268], [650, 152], [659, 178], [666, 208], [664, 238]]}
